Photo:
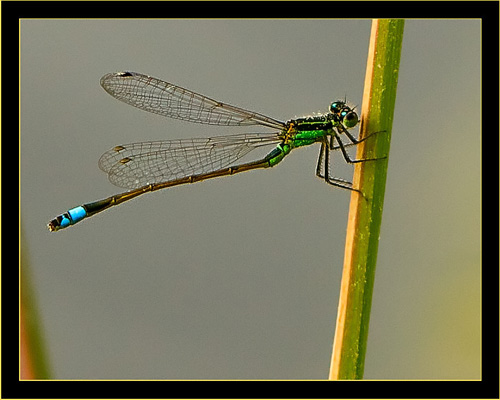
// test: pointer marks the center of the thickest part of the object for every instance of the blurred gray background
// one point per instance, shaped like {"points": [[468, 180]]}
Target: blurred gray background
{"points": [[238, 278]]}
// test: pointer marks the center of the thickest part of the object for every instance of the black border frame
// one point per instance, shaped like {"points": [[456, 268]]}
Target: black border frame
{"points": [[12, 12]]}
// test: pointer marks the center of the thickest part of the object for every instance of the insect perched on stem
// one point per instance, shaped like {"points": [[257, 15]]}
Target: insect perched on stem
{"points": [[150, 166]]}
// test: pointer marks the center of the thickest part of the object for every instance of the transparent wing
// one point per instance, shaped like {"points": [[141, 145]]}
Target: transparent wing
{"points": [[163, 98], [138, 164]]}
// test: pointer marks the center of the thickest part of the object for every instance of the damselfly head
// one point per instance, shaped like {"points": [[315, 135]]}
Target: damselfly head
{"points": [[350, 119], [345, 114], [337, 106]]}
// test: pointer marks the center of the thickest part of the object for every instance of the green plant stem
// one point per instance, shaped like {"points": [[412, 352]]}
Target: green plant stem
{"points": [[34, 359], [365, 213]]}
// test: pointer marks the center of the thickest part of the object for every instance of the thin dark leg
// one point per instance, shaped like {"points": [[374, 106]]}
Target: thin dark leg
{"points": [[324, 154], [320, 160], [342, 146], [341, 129]]}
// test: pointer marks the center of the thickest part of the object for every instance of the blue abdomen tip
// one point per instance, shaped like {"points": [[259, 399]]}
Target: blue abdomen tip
{"points": [[77, 214]]}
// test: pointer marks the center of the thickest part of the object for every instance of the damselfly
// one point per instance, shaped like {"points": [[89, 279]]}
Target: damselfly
{"points": [[149, 166]]}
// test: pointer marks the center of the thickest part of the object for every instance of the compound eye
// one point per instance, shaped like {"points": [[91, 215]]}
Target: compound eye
{"points": [[336, 107], [350, 119]]}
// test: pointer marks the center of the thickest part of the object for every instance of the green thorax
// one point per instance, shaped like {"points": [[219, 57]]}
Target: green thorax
{"points": [[309, 130]]}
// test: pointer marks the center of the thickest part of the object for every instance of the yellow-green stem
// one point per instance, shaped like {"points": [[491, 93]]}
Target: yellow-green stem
{"points": [[365, 213]]}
